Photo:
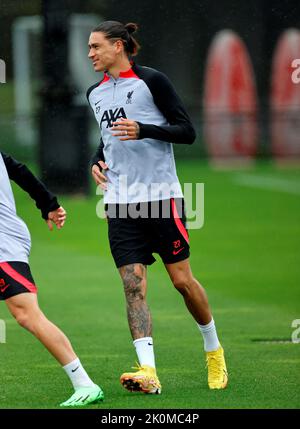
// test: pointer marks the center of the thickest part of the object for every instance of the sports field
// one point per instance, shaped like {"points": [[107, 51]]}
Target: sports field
{"points": [[247, 256]]}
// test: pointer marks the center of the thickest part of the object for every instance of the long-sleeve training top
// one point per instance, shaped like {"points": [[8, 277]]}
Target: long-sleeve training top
{"points": [[143, 169], [15, 239]]}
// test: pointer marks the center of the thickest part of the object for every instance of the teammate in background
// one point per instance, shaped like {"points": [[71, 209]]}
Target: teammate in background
{"points": [[140, 116], [17, 286]]}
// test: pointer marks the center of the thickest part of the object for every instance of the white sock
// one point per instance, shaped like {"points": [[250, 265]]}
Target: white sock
{"points": [[144, 350], [210, 337], [78, 375]]}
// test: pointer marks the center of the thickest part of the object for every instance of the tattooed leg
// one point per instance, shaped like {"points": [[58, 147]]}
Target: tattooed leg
{"points": [[135, 285]]}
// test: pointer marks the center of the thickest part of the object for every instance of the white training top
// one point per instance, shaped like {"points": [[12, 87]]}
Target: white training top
{"points": [[15, 242]]}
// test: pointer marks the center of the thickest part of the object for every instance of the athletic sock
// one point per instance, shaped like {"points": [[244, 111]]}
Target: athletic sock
{"points": [[210, 337], [144, 350], [78, 375]]}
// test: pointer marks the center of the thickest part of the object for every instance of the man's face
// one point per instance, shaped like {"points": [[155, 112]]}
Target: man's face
{"points": [[102, 51]]}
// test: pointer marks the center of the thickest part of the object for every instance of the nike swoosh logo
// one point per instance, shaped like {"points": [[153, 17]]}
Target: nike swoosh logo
{"points": [[149, 344], [73, 370], [175, 252], [98, 102], [3, 289]]}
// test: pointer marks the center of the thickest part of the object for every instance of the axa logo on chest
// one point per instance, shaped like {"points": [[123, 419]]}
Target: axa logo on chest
{"points": [[112, 115]]}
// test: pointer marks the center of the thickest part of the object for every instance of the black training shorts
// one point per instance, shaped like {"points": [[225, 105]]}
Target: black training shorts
{"points": [[136, 231], [15, 278]]}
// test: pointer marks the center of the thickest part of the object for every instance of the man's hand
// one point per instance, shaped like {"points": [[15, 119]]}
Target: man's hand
{"points": [[129, 130], [58, 217], [98, 176]]}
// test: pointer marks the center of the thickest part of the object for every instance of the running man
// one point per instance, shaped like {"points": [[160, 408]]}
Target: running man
{"points": [[140, 116], [17, 286]]}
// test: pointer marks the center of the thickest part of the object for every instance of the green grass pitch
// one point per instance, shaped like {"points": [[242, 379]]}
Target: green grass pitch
{"points": [[247, 258]]}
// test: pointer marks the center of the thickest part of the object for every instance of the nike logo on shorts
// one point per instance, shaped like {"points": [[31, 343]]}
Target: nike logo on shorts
{"points": [[175, 252]]}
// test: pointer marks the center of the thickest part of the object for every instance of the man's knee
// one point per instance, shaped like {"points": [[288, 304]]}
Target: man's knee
{"points": [[26, 317], [183, 283], [22, 317], [133, 277]]}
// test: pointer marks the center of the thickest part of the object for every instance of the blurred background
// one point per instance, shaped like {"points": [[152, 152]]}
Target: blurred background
{"points": [[231, 62]]}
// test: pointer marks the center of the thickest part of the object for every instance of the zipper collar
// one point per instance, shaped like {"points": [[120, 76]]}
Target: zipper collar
{"points": [[123, 74]]}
